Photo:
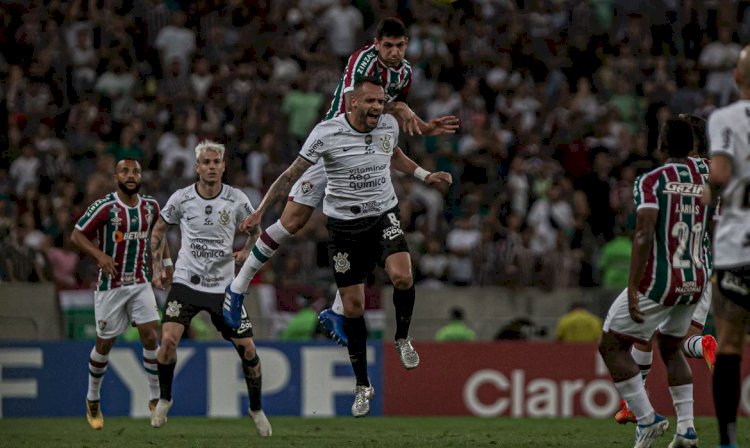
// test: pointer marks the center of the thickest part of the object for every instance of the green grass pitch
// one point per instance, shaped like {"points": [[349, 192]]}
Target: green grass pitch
{"points": [[432, 432]]}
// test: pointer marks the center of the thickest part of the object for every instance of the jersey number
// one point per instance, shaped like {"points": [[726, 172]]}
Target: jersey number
{"points": [[685, 236]]}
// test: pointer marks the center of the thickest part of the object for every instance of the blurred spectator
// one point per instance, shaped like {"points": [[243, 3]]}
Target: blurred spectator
{"points": [[460, 243], [176, 42], [342, 23], [302, 106], [719, 58], [578, 325], [615, 261], [432, 267], [548, 216], [24, 170], [519, 329], [456, 329]]}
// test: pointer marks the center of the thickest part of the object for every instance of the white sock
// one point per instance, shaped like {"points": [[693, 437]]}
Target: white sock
{"points": [[97, 367], [693, 347], [265, 247], [634, 394], [338, 304], [152, 372], [644, 361], [682, 398]]}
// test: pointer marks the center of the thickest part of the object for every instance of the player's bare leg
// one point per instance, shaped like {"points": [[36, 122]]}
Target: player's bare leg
{"points": [[98, 361], [680, 379], [254, 380], [171, 333]]}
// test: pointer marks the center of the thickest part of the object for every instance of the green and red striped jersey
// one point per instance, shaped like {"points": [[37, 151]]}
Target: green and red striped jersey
{"points": [[679, 265], [365, 62], [124, 234]]}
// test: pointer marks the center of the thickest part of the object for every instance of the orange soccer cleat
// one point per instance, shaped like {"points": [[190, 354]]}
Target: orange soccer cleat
{"points": [[624, 415], [709, 350]]}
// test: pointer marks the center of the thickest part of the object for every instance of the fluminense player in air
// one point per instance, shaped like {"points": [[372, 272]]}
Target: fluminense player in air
{"points": [[357, 149], [121, 223], [729, 130], [208, 213], [669, 270], [384, 59]]}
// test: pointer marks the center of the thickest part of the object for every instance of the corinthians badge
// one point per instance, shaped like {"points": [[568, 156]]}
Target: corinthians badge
{"points": [[386, 143], [341, 262], [173, 308]]}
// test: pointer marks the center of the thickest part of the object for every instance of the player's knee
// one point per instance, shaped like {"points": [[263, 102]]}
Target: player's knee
{"points": [[402, 280], [169, 343], [354, 308], [295, 219]]}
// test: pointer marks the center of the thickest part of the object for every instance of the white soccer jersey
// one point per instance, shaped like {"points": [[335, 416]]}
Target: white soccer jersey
{"points": [[357, 165], [208, 225], [729, 133]]}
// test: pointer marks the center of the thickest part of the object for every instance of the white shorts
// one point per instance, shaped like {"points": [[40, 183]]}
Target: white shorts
{"points": [[310, 189], [116, 308], [701, 311], [669, 320]]}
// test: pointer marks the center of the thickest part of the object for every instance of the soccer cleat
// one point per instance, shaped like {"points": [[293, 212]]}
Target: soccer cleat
{"points": [[232, 308], [625, 415], [362, 397], [409, 356], [708, 343], [645, 435], [94, 414], [687, 440], [159, 416], [334, 325], [262, 425]]}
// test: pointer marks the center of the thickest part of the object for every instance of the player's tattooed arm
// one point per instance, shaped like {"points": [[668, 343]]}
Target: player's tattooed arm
{"points": [[158, 240], [278, 191]]}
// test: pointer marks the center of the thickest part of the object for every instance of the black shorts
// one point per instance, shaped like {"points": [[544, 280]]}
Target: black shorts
{"points": [[734, 284], [357, 245], [183, 303]]}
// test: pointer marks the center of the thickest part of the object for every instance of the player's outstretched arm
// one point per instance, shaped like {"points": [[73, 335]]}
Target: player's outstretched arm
{"points": [[642, 243], [408, 121], [252, 235], [279, 190], [401, 162], [447, 124], [105, 262]]}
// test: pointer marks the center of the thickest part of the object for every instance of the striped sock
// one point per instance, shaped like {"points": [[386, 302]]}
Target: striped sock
{"points": [[265, 247], [152, 372], [97, 368], [644, 361], [692, 347]]}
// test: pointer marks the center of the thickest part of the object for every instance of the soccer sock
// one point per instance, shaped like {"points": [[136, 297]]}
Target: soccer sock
{"points": [[403, 301], [727, 396], [356, 331], [152, 372], [692, 347], [265, 247], [97, 367], [682, 398], [254, 383], [338, 304], [644, 361], [166, 374], [634, 394]]}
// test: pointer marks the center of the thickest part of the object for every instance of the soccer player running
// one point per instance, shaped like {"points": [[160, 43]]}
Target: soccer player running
{"points": [[121, 223], [695, 344], [356, 149], [668, 274], [384, 59], [728, 130], [208, 213]]}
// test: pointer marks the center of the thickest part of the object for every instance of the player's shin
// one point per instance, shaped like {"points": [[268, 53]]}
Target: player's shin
{"points": [[682, 398], [403, 302], [166, 375], [152, 372], [356, 330], [254, 381], [726, 388], [265, 247], [97, 368]]}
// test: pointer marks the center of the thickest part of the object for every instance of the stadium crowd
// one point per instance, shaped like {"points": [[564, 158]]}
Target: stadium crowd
{"points": [[560, 104]]}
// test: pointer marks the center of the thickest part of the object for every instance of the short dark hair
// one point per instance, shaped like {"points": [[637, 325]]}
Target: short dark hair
{"points": [[457, 313], [365, 79], [391, 27], [678, 138], [698, 124], [117, 161]]}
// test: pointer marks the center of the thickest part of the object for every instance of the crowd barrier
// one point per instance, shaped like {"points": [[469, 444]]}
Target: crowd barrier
{"points": [[488, 379]]}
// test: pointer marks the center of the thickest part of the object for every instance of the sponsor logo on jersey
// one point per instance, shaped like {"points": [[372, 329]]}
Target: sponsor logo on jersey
{"points": [[733, 283], [128, 278], [115, 221], [118, 236], [687, 189], [386, 143], [199, 249], [341, 262], [394, 230], [173, 308], [189, 218], [209, 209], [341, 131], [102, 324], [689, 287], [224, 217], [366, 182], [368, 139], [306, 187], [168, 211]]}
